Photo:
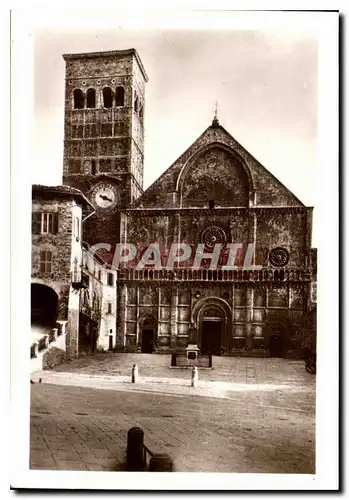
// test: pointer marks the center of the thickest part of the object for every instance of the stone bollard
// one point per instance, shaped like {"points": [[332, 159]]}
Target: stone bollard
{"points": [[134, 376], [210, 360], [161, 463], [55, 333], [194, 377], [135, 450]]}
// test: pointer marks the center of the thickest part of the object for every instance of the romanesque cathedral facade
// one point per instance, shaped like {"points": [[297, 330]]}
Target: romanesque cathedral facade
{"points": [[216, 251]]}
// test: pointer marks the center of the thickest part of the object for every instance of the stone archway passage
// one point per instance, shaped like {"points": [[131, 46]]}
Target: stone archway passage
{"points": [[44, 305]]}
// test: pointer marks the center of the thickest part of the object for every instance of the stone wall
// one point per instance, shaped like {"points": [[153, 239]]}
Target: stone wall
{"points": [[251, 314], [65, 245], [266, 228]]}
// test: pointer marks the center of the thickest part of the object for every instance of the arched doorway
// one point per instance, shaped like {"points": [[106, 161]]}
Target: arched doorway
{"points": [[212, 318], [148, 332], [277, 340], [212, 321], [275, 346], [44, 305]]}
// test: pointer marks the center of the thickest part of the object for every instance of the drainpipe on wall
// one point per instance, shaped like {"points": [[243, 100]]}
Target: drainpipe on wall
{"points": [[89, 215]]}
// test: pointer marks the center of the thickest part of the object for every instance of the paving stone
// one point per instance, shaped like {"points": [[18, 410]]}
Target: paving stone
{"points": [[231, 433], [88, 458], [102, 453], [68, 454], [70, 465]]}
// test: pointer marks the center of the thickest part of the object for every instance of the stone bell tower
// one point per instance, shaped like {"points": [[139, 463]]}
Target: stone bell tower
{"points": [[104, 134]]}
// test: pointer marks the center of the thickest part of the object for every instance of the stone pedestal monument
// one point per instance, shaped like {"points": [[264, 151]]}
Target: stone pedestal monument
{"points": [[192, 350]]}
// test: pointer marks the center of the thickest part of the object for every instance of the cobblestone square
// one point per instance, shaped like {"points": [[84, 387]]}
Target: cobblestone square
{"points": [[246, 415]]}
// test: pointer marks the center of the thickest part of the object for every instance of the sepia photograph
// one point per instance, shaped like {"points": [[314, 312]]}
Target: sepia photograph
{"points": [[175, 220]]}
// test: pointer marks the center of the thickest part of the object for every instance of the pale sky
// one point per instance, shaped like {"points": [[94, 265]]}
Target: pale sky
{"points": [[265, 82]]}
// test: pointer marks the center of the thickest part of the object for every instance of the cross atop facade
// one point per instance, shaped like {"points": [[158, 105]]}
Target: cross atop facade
{"points": [[215, 122]]}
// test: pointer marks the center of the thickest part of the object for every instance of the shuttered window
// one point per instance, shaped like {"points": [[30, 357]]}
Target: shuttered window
{"points": [[46, 261], [44, 223], [49, 223]]}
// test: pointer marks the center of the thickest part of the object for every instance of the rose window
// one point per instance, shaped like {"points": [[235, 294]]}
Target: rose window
{"points": [[213, 235], [279, 257]]}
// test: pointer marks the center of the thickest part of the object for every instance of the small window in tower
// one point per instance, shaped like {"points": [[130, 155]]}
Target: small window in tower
{"points": [[110, 310], [211, 204], [93, 167], [107, 97], [119, 96], [91, 98], [110, 279], [79, 100]]}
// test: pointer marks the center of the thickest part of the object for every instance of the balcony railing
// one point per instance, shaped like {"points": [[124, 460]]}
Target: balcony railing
{"points": [[80, 278], [264, 275]]}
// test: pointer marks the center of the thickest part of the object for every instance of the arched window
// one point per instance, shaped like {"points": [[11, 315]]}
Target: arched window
{"points": [[136, 103], [79, 100], [91, 98], [119, 96], [107, 97]]}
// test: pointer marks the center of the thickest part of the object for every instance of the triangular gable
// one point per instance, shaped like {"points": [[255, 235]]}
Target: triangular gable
{"points": [[269, 191]]}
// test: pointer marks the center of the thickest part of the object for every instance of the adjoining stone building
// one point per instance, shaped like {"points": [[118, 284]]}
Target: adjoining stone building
{"points": [[216, 193], [69, 288]]}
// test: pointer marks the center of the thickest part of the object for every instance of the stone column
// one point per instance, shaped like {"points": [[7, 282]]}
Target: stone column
{"points": [[174, 303], [249, 317], [139, 348], [156, 340], [122, 315], [72, 343]]}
